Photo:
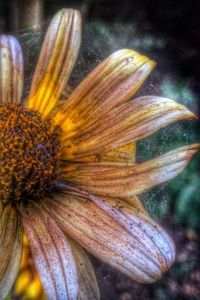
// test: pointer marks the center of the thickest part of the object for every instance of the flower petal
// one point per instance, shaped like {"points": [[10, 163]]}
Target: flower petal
{"points": [[56, 61], [10, 247], [51, 252], [27, 284], [88, 287], [120, 180], [126, 153], [136, 203], [115, 232], [11, 70], [127, 123], [111, 83]]}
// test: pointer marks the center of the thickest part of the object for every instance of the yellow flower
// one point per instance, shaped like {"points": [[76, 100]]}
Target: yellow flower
{"points": [[68, 176]]}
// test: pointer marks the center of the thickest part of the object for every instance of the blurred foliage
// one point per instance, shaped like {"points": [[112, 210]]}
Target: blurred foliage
{"points": [[185, 192]]}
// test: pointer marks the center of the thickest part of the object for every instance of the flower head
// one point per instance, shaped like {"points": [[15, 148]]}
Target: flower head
{"points": [[68, 178]]}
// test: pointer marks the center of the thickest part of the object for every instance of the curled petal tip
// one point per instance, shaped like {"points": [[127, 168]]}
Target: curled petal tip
{"points": [[197, 146], [163, 254], [65, 11], [194, 116], [168, 250], [191, 115], [152, 64], [132, 57], [194, 147]]}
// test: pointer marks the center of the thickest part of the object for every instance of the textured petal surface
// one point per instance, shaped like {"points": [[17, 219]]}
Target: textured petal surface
{"points": [[112, 82], [127, 123], [10, 248], [27, 284], [120, 180], [56, 61], [51, 252], [126, 153], [88, 287], [11, 70], [115, 232], [136, 203]]}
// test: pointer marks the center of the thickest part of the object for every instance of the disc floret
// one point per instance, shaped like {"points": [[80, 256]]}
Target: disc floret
{"points": [[28, 153]]}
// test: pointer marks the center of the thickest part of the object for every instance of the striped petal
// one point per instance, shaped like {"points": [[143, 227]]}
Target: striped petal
{"points": [[88, 287], [11, 70], [51, 252], [120, 180], [27, 284], [126, 153], [127, 123], [10, 247], [115, 232], [111, 83], [56, 61]]}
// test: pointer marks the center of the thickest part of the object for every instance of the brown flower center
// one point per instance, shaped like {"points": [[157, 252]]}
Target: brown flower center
{"points": [[28, 153]]}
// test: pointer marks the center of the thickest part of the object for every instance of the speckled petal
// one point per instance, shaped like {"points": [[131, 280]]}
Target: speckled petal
{"points": [[88, 287], [51, 252], [111, 83], [120, 180], [27, 284], [115, 232], [11, 70], [10, 247], [127, 123], [56, 61]]}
